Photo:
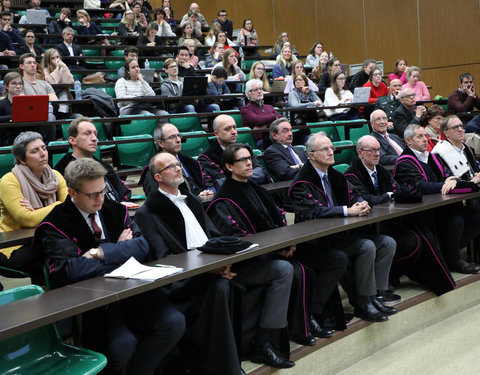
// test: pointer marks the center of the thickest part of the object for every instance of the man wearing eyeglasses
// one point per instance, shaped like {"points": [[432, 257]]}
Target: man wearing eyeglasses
{"points": [[88, 236], [320, 191], [418, 255], [391, 145], [82, 137], [406, 113], [224, 22], [457, 224], [167, 139], [173, 222]]}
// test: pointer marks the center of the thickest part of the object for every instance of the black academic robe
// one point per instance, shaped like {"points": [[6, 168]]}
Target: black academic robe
{"points": [[418, 254], [240, 209], [207, 300]]}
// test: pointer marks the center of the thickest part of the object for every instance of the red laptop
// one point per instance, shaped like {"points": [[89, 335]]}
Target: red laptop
{"points": [[30, 108]]}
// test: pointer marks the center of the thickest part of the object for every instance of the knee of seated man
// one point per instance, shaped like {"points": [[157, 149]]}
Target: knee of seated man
{"points": [[281, 269]]}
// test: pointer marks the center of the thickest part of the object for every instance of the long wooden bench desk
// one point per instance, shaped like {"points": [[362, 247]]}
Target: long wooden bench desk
{"points": [[33, 312]]}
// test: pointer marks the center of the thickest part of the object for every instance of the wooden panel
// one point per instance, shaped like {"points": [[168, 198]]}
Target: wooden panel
{"points": [[449, 32], [391, 34], [261, 12], [445, 80], [340, 28], [297, 18]]}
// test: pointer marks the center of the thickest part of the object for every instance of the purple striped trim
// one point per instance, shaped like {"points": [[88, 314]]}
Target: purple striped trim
{"points": [[303, 295], [418, 245], [439, 165], [315, 186], [236, 205], [414, 161], [460, 191]]}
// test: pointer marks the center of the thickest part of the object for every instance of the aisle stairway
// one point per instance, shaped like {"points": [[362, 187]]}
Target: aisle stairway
{"points": [[430, 335]]}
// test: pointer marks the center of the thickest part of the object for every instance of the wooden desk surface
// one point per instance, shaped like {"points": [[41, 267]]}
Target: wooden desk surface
{"points": [[33, 312]]}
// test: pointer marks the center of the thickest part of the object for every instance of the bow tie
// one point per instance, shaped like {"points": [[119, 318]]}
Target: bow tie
{"points": [[179, 198]]}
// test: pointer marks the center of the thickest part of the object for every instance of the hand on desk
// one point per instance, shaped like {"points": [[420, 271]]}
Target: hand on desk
{"points": [[449, 184], [225, 272], [359, 209]]}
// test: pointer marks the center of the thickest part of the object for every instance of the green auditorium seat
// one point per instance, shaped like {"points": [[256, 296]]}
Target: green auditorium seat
{"points": [[136, 154], [187, 124], [194, 146]]}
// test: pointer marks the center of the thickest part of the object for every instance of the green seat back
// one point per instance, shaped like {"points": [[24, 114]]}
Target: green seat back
{"points": [[139, 126], [357, 133], [341, 128], [110, 90], [331, 131], [249, 63], [194, 146], [344, 156], [91, 52], [259, 154], [155, 64], [246, 137], [236, 116], [136, 154], [187, 124], [341, 167], [114, 64], [118, 52], [41, 351], [7, 161]]}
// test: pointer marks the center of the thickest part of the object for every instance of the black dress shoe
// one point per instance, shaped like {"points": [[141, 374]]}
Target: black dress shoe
{"points": [[462, 266], [304, 340], [388, 299], [369, 313], [387, 310], [265, 353], [318, 331]]}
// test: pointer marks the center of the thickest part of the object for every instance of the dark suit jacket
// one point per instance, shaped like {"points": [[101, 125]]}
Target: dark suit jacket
{"points": [[63, 50], [388, 155], [387, 104], [278, 161], [22, 48], [402, 117]]}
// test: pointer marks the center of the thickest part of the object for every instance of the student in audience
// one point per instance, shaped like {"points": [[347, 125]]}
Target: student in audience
{"points": [[222, 38], [283, 68], [406, 113], [400, 71], [414, 83], [217, 86], [12, 86], [33, 86], [82, 137], [129, 25], [418, 254], [464, 99], [391, 145], [215, 56], [282, 38], [325, 81], [6, 27], [190, 44], [193, 21], [210, 38], [241, 207], [389, 103], [230, 64], [321, 67], [337, 95], [150, 39], [169, 16], [173, 86], [30, 46], [90, 28], [38, 3], [320, 191], [164, 28], [6, 47], [432, 120], [297, 69], [140, 16], [224, 22], [183, 58], [187, 33], [57, 26], [68, 49], [194, 7], [248, 35], [27, 194], [132, 85], [258, 71], [457, 224], [282, 160], [167, 139], [225, 131], [362, 77], [313, 57], [130, 52], [303, 97], [377, 87], [160, 217], [121, 4], [88, 236], [256, 114]]}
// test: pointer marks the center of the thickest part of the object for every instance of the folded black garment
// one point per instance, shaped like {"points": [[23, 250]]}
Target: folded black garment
{"points": [[225, 245]]}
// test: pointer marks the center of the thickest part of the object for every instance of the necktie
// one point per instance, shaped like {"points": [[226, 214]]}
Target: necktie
{"points": [[295, 157], [185, 179], [375, 180], [97, 232], [328, 189], [397, 150]]}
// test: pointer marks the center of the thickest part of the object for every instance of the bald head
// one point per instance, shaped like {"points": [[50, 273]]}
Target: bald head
{"points": [[395, 87], [195, 6], [167, 171], [225, 130], [379, 121], [368, 150]]}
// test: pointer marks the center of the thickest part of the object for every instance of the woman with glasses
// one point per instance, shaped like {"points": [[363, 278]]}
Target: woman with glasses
{"points": [[129, 25], [12, 86], [325, 81], [215, 56], [30, 46], [313, 57], [377, 87], [414, 83], [432, 120], [298, 68], [337, 95], [282, 38], [27, 194]]}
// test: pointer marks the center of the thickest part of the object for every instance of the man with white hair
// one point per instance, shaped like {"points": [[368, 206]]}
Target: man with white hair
{"points": [[406, 113], [391, 145], [389, 103], [257, 115], [194, 7]]}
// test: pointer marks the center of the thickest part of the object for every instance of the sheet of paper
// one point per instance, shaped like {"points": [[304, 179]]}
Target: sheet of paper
{"points": [[132, 269]]}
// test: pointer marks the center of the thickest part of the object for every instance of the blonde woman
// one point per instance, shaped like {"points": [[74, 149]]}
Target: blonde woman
{"points": [[129, 25], [283, 68], [258, 71]]}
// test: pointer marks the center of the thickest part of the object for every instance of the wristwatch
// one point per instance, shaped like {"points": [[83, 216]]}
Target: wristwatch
{"points": [[94, 253]]}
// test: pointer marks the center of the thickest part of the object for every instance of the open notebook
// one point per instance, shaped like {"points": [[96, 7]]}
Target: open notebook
{"points": [[132, 269]]}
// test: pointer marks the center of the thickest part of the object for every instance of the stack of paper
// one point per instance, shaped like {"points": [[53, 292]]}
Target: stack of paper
{"points": [[132, 269]]}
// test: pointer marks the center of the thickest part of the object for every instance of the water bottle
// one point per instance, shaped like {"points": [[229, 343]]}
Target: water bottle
{"points": [[147, 64], [50, 107], [330, 57], [77, 87], [242, 58]]}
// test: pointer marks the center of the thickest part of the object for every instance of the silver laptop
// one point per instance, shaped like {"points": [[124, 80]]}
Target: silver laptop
{"points": [[37, 16], [361, 94], [278, 86], [147, 74]]}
